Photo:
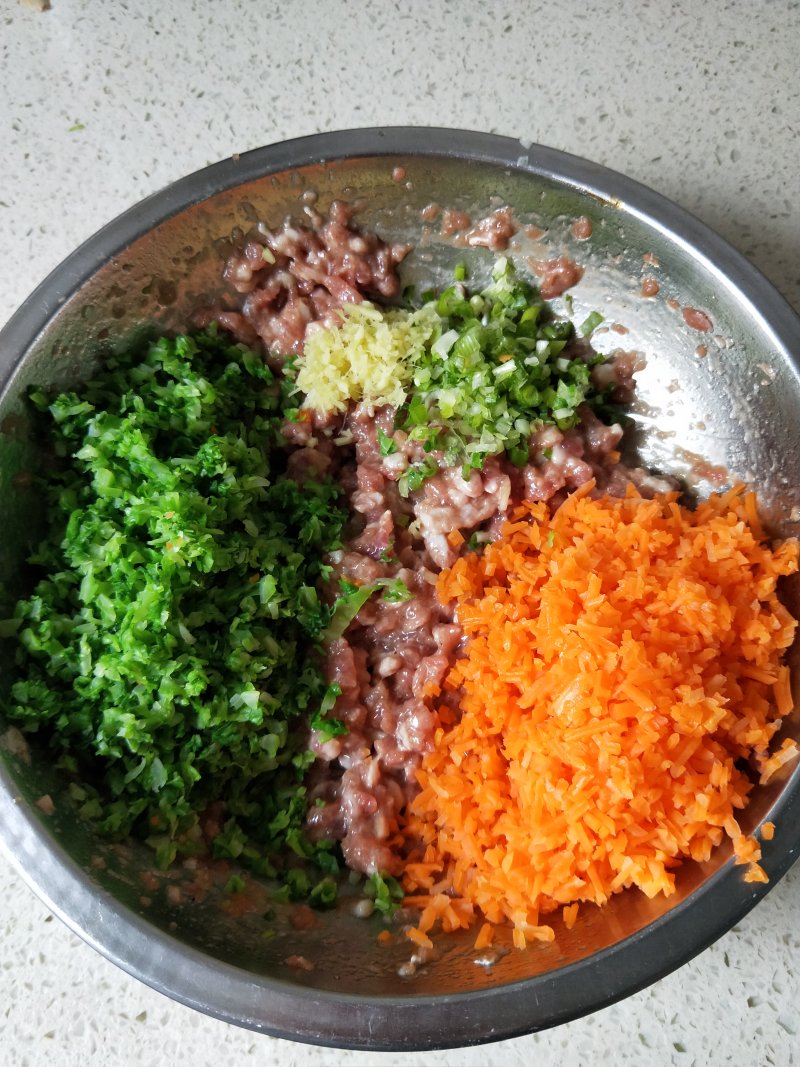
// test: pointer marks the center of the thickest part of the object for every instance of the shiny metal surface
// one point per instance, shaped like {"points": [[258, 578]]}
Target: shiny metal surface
{"points": [[735, 406]]}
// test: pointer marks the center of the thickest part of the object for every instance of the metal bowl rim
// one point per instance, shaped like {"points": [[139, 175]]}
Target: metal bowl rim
{"points": [[405, 1022]]}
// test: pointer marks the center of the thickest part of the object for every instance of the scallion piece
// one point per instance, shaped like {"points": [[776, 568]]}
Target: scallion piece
{"points": [[590, 323]]}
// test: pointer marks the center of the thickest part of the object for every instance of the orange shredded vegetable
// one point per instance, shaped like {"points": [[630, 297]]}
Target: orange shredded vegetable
{"points": [[485, 936], [570, 915], [768, 830], [419, 938], [756, 873], [622, 656]]}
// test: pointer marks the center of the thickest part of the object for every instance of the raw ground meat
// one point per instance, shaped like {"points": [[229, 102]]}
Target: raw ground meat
{"points": [[494, 232], [557, 275], [296, 275]]}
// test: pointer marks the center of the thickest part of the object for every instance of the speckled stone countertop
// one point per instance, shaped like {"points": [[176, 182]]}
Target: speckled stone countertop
{"points": [[101, 104]]}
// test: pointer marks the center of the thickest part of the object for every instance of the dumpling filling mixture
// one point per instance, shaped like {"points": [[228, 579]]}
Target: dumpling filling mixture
{"points": [[350, 580]]}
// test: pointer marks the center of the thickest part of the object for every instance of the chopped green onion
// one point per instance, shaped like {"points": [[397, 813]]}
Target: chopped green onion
{"points": [[324, 894], [386, 444], [415, 476], [320, 722], [590, 323], [397, 592], [500, 368], [347, 605], [385, 891], [352, 599]]}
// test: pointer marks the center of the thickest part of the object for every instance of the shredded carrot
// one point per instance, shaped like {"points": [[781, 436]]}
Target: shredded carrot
{"points": [[768, 831], [756, 873], [485, 936], [455, 538], [569, 915], [770, 765], [623, 657], [419, 938], [384, 937]]}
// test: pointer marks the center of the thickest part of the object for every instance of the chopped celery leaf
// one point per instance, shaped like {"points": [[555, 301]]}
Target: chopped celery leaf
{"points": [[168, 652]]}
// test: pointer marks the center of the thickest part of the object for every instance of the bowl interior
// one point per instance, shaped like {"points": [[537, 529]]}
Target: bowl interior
{"points": [[721, 404]]}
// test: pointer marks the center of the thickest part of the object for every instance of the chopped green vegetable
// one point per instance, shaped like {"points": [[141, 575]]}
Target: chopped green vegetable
{"points": [[496, 372], [385, 891], [386, 444], [324, 893], [352, 599], [397, 592], [416, 475], [346, 606], [388, 554], [297, 886], [590, 324], [328, 728], [475, 544], [168, 652]]}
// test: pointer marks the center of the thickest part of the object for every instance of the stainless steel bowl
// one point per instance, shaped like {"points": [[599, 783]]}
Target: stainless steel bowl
{"points": [[735, 402]]}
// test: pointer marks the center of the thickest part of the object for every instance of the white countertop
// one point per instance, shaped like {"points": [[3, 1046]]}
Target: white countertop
{"points": [[101, 104]]}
